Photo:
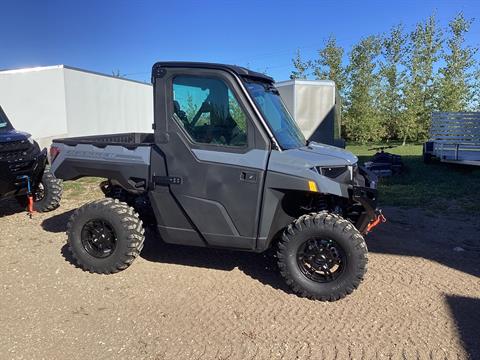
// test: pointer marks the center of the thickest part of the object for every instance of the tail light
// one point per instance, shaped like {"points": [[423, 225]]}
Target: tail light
{"points": [[54, 151]]}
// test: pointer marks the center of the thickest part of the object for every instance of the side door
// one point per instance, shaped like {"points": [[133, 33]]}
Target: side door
{"points": [[215, 151]]}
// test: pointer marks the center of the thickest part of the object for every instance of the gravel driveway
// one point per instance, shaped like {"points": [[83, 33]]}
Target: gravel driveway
{"points": [[420, 299]]}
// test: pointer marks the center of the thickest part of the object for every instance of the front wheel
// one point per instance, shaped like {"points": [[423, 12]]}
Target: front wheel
{"points": [[47, 195], [105, 236], [322, 256]]}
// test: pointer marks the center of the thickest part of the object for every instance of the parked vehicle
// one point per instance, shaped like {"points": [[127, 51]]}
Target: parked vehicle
{"points": [[225, 167], [454, 138], [384, 164], [23, 170]]}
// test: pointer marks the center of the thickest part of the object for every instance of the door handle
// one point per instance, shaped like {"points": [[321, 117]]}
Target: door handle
{"points": [[248, 176]]}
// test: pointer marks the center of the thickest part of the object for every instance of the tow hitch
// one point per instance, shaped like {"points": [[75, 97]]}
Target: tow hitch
{"points": [[378, 219]]}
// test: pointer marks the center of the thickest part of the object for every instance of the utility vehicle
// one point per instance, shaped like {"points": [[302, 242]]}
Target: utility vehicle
{"points": [[226, 166], [23, 170]]}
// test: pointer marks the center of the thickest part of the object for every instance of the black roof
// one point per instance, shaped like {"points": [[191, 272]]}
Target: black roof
{"points": [[238, 70]]}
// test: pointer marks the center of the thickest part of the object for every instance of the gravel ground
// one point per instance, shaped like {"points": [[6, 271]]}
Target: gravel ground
{"points": [[420, 299]]}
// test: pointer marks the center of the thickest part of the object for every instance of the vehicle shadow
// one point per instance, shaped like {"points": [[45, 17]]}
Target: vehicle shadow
{"points": [[466, 313], [57, 223], [10, 207], [261, 267], [411, 233]]}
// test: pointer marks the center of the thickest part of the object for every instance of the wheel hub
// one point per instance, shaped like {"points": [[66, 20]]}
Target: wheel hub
{"points": [[40, 193], [321, 260], [98, 238]]}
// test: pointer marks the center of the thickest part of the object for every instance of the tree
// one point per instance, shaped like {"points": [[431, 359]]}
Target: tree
{"points": [[329, 66], [419, 101], [476, 90], [456, 85], [117, 73], [301, 67], [362, 121], [392, 81]]}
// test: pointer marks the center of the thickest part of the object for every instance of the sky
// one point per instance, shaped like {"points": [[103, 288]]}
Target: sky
{"points": [[129, 36]]}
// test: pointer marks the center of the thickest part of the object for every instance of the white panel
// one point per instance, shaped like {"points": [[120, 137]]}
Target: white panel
{"points": [[98, 104], [312, 105], [287, 93], [33, 99]]}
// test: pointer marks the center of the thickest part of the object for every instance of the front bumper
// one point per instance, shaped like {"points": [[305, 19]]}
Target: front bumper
{"points": [[366, 195], [11, 172]]}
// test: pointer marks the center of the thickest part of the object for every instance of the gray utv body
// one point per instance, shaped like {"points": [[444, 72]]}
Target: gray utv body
{"points": [[226, 167], [214, 195]]}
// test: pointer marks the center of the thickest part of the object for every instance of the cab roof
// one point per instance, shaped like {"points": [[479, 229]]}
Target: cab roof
{"points": [[237, 70]]}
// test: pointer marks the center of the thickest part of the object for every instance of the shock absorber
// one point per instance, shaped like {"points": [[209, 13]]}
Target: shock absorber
{"points": [[30, 208]]}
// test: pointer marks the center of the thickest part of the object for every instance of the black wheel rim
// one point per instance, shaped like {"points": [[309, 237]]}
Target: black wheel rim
{"points": [[39, 193], [98, 238], [321, 260]]}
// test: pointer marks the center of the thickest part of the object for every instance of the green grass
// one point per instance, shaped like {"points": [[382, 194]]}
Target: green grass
{"points": [[434, 186], [83, 187]]}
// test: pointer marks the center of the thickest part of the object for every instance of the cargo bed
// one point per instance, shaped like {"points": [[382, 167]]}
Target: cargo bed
{"points": [[125, 157]]}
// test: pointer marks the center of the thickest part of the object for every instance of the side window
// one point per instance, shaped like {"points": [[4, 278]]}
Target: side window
{"points": [[209, 111]]}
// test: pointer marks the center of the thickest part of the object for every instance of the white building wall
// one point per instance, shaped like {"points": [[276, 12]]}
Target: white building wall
{"points": [[98, 104], [34, 101], [59, 101]]}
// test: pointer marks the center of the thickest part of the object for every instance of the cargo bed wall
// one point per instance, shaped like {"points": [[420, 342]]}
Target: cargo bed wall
{"points": [[130, 167]]}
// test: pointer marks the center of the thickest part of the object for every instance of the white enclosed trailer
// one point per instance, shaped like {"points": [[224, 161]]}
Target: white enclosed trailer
{"points": [[316, 107], [57, 101]]}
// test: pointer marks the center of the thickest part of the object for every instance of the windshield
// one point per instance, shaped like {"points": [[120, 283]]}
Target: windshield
{"points": [[4, 124], [284, 128]]}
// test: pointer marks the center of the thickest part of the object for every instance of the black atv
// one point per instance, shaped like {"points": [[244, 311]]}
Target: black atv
{"points": [[384, 163], [24, 173]]}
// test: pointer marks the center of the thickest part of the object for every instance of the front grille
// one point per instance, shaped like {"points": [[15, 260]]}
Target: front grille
{"points": [[14, 155], [20, 167], [333, 172], [15, 150], [14, 145]]}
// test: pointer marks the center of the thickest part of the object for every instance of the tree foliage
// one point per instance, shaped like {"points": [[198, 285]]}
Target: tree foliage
{"points": [[456, 86], [329, 65], [422, 53], [362, 118], [301, 67], [392, 77], [391, 84]]}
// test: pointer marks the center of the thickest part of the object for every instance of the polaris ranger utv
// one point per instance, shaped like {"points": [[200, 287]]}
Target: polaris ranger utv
{"points": [[23, 171], [226, 167]]}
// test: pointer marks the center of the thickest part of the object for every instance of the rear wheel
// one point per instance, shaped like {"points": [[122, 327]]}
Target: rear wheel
{"points": [[105, 236], [322, 256]]}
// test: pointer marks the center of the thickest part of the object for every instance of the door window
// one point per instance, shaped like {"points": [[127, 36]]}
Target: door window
{"points": [[208, 111]]}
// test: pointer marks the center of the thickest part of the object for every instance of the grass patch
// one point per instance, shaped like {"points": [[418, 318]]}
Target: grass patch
{"points": [[83, 187], [433, 186]]}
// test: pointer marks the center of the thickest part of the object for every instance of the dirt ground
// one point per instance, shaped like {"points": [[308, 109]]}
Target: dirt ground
{"points": [[420, 298]]}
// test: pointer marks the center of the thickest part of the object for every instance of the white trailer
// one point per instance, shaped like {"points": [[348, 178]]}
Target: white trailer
{"points": [[316, 107], [454, 138], [60, 101]]}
